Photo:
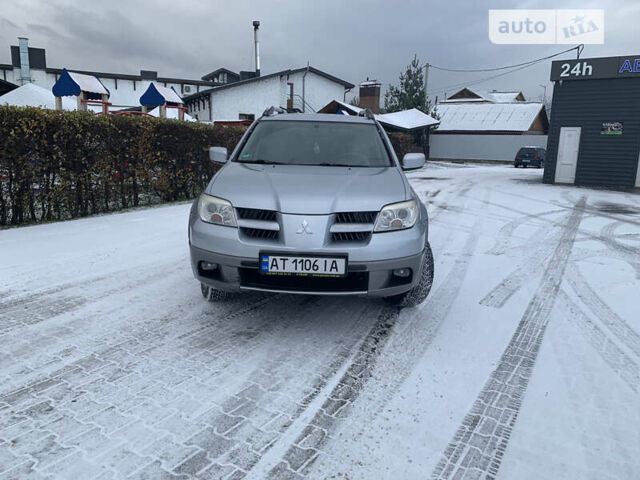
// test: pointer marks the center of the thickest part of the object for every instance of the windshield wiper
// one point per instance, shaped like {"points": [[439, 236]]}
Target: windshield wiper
{"points": [[328, 164], [262, 162]]}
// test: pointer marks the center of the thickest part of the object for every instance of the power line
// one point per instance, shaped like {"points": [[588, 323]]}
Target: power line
{"points": [[513, 68], [530, 62], [479, 80]]}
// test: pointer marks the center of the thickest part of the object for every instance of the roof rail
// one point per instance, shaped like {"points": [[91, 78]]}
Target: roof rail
{"points": [[271, 111], [367, 113]]}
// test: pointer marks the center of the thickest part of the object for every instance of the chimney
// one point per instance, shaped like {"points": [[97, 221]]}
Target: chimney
{"points": [[370, 95], [256, 26], [25, 70]]}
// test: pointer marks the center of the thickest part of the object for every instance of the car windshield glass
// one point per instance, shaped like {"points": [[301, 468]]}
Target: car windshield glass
{"points": [[315, 143], [527, 151]]}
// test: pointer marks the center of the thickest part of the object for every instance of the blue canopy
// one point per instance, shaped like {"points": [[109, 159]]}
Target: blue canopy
{"points": [[72, 84], [156, 96]]}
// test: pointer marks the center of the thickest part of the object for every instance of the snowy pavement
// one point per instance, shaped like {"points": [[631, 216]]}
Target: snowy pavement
{"points": [[523, 363]]}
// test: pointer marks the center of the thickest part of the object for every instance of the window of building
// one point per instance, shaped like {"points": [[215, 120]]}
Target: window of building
{"points": [[247, 116], [289, 95]]}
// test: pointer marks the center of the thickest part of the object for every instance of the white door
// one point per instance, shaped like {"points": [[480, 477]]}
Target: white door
{"points": [[567, 160]]}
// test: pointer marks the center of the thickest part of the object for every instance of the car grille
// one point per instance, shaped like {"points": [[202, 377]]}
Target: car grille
{"points": [[350, 236], [356, 217], [258, 224], [352, 227], [259, 233], [256, 214]]}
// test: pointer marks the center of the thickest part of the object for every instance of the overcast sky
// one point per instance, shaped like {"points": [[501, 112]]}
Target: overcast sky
{"points": [[352, 39]]}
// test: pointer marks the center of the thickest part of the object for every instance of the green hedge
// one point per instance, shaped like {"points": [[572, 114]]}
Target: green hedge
{"points": [[60, 165]]}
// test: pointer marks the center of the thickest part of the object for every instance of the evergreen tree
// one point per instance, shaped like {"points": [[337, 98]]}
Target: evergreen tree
{"points": [[410, 91]]}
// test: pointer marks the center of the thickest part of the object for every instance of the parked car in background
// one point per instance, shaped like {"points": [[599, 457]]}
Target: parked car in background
{"points": [[312, 204], [530, 156]]}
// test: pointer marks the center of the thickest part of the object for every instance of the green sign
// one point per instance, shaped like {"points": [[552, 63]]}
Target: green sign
{"points": [[611, 128]]}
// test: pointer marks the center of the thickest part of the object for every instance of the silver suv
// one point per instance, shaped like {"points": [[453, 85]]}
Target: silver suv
{"points": [[312, 204]]}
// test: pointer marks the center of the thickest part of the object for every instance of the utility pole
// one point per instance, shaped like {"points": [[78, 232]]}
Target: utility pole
{"points": [[425, 131], [544, 93], [426, 78]]}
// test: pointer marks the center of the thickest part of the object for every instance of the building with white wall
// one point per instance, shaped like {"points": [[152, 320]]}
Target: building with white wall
{"points": [[29, 65], [488, 126], [304, 89], [219, 95]]}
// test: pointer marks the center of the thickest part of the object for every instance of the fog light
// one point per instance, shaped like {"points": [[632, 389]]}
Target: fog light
{"points": [[402, 272], [208, 266]]}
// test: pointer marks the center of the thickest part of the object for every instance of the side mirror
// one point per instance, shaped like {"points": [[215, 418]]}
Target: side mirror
{"points": [[413, 161], [218, 154]]}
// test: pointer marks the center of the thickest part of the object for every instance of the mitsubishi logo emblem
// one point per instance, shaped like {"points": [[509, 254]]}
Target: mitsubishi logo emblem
{"points": [[304, 228]]}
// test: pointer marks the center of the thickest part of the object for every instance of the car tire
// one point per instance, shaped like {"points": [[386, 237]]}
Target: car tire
{"points": [[213, 294], [420, 292]]}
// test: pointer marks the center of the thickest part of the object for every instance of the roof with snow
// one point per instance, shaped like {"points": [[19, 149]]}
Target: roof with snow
{"points": [[32, 95], [472, 95], [489, 117], [72, 84], [407, 119], [404, 120], [281, 73], [157, 95]]}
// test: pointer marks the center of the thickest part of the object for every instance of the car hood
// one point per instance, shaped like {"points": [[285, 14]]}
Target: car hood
{"points": [[308, 189]]}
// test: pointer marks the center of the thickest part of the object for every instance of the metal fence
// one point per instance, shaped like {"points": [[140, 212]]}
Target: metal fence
{"points": [[481, 147]]}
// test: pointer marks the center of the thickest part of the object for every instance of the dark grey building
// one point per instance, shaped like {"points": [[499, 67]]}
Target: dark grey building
{"points": [[594, 136]]}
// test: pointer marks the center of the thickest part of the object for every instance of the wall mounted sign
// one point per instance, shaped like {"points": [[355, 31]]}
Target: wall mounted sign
{"points": [[611, 128], [595, 68]]}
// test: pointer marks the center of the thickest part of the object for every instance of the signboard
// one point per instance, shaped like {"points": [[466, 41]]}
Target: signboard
{"points": [[596, 68], [611, 128]]}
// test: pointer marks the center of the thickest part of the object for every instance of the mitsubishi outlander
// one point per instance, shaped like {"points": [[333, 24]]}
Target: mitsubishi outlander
{"points": [[312, 204]]}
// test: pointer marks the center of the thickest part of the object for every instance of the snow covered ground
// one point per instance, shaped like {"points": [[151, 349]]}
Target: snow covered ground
{"points": [[523, 362]]}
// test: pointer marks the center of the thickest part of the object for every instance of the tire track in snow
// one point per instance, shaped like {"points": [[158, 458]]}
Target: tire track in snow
{"points": [[258, 419], [481, 440], [506, 232], [437, 208], [315, 424], [372, 379], [531, 264], [610, 319], [201, 327], [47, 304], [608, 233], [228, 428], [603, 415], [625, 367], [123, 354], [535, 260]]}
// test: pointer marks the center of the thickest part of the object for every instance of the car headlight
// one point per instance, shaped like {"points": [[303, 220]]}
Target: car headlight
{"points": [[216, 210], [397, 216]]}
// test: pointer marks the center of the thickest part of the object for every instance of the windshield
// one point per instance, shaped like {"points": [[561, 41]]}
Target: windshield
{"points": [[528, 151], [315, 143]]}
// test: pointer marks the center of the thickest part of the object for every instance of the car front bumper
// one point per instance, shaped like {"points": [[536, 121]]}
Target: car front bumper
{"points": [[373, 278], [370, 265]]}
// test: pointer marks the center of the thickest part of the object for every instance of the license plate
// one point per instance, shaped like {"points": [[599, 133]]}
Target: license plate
{"points": [[525, 160], [303, 265]]}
